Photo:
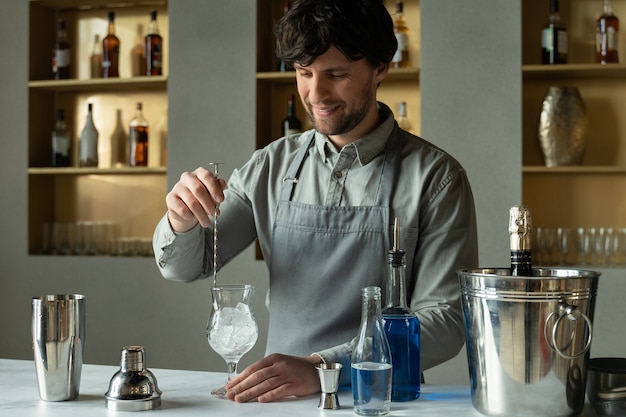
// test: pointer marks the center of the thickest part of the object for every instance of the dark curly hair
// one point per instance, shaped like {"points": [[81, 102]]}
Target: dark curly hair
{"points": [[357, 28]]}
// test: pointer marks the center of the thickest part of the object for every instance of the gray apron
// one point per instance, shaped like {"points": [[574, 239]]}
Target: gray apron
{"points": [[322, 256]]}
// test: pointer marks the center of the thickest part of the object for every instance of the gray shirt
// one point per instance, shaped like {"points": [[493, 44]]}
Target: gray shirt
{"points": [[433, 200]]}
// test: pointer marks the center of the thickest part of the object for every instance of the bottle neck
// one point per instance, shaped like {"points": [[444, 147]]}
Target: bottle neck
{"points": [[396, 285], [371, 308], [608, 7], [153, 28]]}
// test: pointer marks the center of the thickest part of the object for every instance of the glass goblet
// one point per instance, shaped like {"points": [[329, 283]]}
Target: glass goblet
{"points": [[232, 329]]}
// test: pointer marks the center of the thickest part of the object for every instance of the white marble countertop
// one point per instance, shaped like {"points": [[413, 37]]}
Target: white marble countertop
{"points": [[186, 393]]}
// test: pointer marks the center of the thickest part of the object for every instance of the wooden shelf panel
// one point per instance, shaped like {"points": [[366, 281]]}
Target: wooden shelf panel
{"points": [[97, 4], [97, 171], [101, 84], [569, 71], [395, 74], [574, 170]]}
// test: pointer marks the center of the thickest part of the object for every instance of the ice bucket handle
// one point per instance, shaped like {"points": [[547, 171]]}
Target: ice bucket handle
{"points": [[571, 312]]}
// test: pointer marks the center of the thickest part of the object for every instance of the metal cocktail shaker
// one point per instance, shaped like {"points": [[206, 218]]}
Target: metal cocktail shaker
{"points": [[58, 329]]}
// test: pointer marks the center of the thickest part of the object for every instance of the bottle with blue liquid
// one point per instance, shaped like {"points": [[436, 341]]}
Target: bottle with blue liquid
{"points": [[371, 360], [402, 328]]}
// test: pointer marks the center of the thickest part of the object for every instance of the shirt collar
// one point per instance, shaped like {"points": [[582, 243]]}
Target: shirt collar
{"points": [[367, 147]]}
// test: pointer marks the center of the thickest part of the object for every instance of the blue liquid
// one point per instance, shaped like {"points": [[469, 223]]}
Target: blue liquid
{"points": [[403, 334], [371, 388]]}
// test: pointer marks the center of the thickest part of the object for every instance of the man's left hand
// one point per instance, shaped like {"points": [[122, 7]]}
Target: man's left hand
{"points": [[275, 377]]}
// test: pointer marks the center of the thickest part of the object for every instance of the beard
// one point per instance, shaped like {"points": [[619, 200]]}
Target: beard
{"points": [[347, 120]]}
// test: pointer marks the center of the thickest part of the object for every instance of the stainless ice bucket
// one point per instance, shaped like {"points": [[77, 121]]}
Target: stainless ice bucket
{"points": [[528, 339]]}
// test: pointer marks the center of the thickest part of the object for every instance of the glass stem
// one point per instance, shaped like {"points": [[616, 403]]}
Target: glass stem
{"points": [[232, 369]]}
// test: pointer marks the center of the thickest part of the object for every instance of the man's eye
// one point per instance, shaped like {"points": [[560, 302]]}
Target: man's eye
{"points": [[337, 75]]}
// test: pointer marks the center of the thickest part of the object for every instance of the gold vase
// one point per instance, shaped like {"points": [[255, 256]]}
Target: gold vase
{"points": [[563, 127]]}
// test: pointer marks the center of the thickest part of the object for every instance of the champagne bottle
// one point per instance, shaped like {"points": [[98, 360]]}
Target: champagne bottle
{"points": [[110, 51], [403, 120], [371, 359], [554, 38], [520, 229], [401, 57], [61, 53], [607, 35], [61, 156], [402, 328], [291, 123], [138, 140], [154, 47], [96, 58], [89, 141]]}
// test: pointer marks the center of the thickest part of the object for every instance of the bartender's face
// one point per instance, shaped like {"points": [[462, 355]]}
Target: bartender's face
{"points": [[339, 95]]}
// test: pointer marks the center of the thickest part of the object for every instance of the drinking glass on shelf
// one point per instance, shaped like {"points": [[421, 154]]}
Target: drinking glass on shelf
{"points": [[598, 245], [584, 243], [620, 246], [232, 329], [564, 237]]}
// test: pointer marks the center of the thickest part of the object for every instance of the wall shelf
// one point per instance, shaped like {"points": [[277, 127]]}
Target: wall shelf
{"points": [[101, 84], [98, 171]]}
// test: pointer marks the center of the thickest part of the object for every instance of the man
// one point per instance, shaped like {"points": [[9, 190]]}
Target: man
{"points": [[322, 205]]}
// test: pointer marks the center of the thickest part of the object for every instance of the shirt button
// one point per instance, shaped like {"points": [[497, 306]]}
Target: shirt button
{"points": [[338, 174]]}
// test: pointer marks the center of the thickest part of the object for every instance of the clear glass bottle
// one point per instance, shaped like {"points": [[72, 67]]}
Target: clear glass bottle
{"points": [[291, 123], [89, 141], [401, 57], [402, 328], [61, 143], [154, 47], [371, 360], [607, 35], [520, 227], [61, 53], [96, 58], [403, 120], [138, 138], [554, 38], [110, 51]]}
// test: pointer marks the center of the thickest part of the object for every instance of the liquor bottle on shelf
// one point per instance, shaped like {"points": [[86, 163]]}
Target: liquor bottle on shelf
{"points": [[89, 141], [607, 35], [154, 47], [138, 140], [138, 53], [282, 65], [554, 38], [520, 229], [61, 53], [61, 143], [291, 124], [110, 51], [401, 57], [403, 120], [402, 328], [96, 58], [371, 359], [119, 143]]}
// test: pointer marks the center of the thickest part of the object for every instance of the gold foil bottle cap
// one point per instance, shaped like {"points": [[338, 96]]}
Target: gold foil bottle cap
{"points": [[520, 226]]}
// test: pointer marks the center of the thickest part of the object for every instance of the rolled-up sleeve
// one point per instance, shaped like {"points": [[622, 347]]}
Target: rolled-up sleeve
{"points": [[179, 256]]}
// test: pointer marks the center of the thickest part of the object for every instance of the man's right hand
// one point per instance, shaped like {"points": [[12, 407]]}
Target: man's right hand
{"points": [[194, 199]]}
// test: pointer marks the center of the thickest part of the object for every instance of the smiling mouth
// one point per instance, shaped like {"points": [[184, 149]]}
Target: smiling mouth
{"points": [[325, 111]]}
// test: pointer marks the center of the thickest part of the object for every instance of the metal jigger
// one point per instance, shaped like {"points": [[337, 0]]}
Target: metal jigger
{"points": [[329, 381]]}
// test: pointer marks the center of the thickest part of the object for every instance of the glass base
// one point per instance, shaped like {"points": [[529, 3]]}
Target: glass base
{"points": [[219, 392]]}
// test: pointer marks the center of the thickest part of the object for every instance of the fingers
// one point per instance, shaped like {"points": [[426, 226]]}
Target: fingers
{"points": [[194, 199], [275, 377]]}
